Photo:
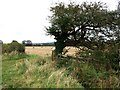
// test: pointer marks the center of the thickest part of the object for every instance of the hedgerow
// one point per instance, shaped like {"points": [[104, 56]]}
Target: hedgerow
{"points": [[13, 47]]}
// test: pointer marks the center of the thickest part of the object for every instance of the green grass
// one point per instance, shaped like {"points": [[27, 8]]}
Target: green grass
{"points": [[32, 71], [35, 72], [19, 56], [9, 72]]}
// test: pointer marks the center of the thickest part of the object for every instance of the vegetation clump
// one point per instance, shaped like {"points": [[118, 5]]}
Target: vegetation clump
{"points": [[13, 47]]}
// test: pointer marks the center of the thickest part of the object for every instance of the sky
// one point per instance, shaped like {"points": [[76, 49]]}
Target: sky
{"points": [[26, 19]]}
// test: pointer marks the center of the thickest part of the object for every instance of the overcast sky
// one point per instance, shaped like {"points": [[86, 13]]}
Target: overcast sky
{"points": [[26, 19]]}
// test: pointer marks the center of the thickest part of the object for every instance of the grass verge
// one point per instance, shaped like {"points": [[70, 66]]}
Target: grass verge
{"points": [[41, 72], [36, 72]]}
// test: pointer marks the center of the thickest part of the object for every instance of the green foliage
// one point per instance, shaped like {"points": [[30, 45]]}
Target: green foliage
{"points": [[90, 74], [63, 62], [80, 23], [113, 56], [5, 48], [13, 47], [108, 56]]}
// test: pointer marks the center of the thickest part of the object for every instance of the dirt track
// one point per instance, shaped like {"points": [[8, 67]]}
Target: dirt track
{"points": [[46, 50]]}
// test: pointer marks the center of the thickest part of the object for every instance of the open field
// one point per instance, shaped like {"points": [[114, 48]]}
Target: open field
{"points": [[46, 50]]}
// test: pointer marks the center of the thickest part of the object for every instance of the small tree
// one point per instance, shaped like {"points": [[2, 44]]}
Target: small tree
{"points": [[88, 24]]}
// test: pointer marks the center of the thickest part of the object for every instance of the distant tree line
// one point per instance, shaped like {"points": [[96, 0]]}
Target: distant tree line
{"points": [[29, 43]]}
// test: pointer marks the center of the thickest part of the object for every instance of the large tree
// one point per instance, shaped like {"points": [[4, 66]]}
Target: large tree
{"points": [[88, 24]]}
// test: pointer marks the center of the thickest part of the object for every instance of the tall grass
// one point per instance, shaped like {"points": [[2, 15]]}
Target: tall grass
{"points": [[89, 74], [41, 73], [9, 69]]}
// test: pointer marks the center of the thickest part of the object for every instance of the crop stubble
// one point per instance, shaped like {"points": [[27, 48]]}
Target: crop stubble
{"points": [[46, 50]]}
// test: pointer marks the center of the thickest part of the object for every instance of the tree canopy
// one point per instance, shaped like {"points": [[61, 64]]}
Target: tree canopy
{"points": [[87, 24]]}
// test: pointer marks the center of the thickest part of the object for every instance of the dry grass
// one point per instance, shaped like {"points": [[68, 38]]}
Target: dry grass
{"points": [[47, 50]]}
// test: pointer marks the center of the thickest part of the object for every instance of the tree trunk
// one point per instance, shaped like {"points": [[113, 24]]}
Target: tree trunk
{"points": [[59, 46]]}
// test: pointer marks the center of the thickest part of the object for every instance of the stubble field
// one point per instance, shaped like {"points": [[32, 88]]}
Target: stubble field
{"points": [[47, 50]]}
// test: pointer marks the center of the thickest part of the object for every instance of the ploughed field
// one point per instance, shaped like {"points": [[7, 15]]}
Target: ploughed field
{"points": [[47, 50]]}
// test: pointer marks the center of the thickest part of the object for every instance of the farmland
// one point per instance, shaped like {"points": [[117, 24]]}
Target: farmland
{"points": [[35, 69], [47, 50]]}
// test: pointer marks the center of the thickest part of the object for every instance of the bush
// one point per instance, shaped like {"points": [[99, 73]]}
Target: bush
{"points": [[108, 56], [112, 54], [13, 47]]}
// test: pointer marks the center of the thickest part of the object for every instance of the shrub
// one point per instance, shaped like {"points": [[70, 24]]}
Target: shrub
{"points": [[112, 54], [5, 48], [108, 56], [13, 47]]}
